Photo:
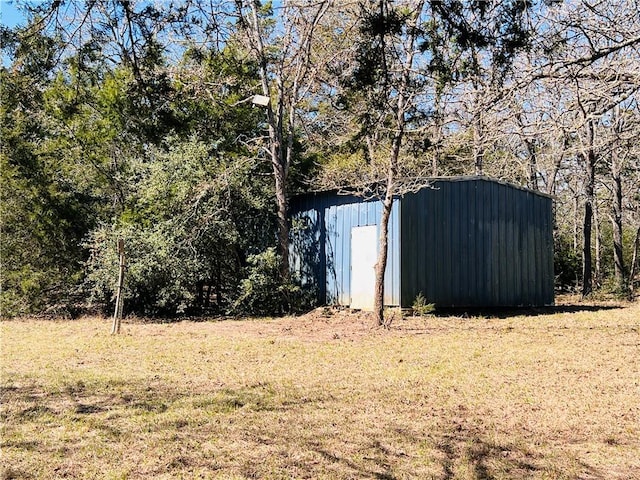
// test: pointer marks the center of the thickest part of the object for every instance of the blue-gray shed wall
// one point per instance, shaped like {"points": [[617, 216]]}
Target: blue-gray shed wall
{"points": [[468, 241], [477, 242], [321, 244]]}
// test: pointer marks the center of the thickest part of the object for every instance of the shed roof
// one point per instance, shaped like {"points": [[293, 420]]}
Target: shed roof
{"points": [[354, 190]]}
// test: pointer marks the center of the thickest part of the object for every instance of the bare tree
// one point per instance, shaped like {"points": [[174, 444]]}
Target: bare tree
{"points": [[590, 50], [394, 35], [286, 68]]}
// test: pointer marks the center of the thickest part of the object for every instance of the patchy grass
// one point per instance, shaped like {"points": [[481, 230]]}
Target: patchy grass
{"points": [[555, 395]]}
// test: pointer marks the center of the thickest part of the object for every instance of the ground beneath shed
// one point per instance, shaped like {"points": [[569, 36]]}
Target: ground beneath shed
{"points": [[339, 323]]}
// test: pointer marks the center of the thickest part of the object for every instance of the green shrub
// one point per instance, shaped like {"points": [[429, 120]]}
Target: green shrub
{"points": [[262, 291], [420, 306], [159, 276], [567, 265]]}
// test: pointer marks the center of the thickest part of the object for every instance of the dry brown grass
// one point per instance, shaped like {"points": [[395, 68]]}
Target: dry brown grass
{"points": [[553, 395]]}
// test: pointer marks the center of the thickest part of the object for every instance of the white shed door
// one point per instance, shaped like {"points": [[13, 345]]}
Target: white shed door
{"points": [[364, 250]]}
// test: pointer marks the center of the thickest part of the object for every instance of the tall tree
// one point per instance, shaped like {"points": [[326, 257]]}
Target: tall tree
{"points": [[394, 35], [282, 47], [402, 69], [587, 52]]}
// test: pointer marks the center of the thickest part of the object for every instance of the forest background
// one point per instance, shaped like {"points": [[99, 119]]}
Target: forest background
{"points": [[142, 121]]}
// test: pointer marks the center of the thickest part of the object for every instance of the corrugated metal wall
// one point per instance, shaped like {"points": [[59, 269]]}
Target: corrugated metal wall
{"points": [[477, 242], [321, 244]]}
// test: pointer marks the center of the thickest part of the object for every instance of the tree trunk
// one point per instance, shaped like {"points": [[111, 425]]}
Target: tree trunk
{"points": [[117, 315], [276, 147], [437, 137], [283, 224], [590, 160], [381, 264], [616, 219], [532, 160], [587, 275], [551, 188], [634, 260], [533, 167], [477, 127], [478, 149], [597, 279], [575, 222], [392, 171], [618, 258]]}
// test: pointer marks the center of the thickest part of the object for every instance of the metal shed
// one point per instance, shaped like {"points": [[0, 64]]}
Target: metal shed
{"points": [[460, 241]]}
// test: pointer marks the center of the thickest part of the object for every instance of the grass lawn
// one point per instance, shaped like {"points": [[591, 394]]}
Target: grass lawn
{"points": [[552, 395]]}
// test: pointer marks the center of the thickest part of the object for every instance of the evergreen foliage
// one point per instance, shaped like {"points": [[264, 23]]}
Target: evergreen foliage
{"points": [[124, 120]]}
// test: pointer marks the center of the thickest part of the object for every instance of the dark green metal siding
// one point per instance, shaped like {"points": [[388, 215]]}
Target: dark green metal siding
{"points": [[476, 242]]}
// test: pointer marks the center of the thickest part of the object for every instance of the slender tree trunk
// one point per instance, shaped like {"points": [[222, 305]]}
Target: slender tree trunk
{"points": [[117, 315], [207, 296], [634, 260], [200, 294], [437, 137], [533, 167], [597, 279], [387, 205], [618, 258], [587, 275], [392, 171], [478, 148], [575, 223], [218, 285], [276, 147], [589, 187], [551, 187], [616, 219], [477, 127]]}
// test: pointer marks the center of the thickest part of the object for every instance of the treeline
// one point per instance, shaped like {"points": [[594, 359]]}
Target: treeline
{"points": [[184, 129]]}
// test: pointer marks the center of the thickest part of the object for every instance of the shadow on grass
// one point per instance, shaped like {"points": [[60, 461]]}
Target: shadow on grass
{"points": [[509, 312], [479, 456], [459, 448], [465, 449], [462, 450], [359, 470]]}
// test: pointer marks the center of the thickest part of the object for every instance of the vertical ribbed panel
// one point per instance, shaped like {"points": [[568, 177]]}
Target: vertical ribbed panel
{"points": [[477, 242], [330, 219], [461, 242]]}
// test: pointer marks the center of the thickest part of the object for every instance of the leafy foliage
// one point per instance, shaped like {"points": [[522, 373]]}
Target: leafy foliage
{"points": [[421, 307], [126, 120], [262, 291], [186, 230]]}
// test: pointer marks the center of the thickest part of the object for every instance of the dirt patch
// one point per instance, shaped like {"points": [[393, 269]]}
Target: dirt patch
{"points": [[318, 325], [340, 323]]}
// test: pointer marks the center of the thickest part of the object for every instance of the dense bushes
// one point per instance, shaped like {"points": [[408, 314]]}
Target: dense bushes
{"points": [[262, 291]]}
